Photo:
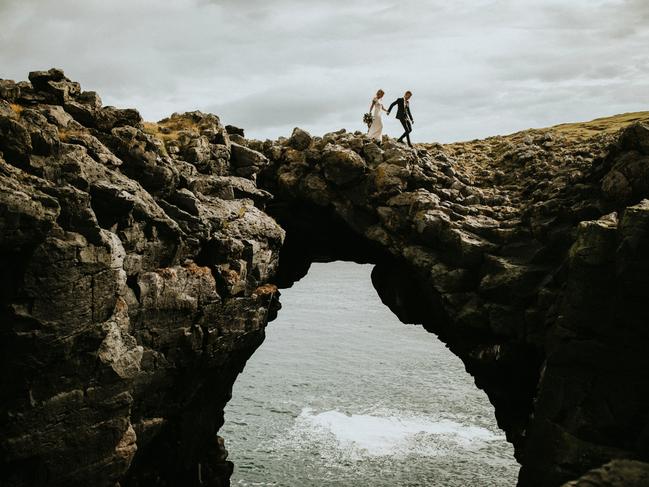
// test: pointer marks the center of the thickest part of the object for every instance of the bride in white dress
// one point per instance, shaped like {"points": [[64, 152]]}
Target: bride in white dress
{"points": [[375, 109]]}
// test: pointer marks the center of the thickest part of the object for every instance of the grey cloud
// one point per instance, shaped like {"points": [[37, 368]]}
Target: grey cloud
{"points": [[272, 109], [477, 67]]}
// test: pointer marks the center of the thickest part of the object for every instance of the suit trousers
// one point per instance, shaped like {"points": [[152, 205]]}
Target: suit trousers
{"points": [[407, 126]]}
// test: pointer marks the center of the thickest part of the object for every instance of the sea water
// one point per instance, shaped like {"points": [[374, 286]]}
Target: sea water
{"points": [[343, 394]]}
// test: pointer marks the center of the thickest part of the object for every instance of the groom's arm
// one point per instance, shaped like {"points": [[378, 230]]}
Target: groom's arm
{"points": [[393, 103], [410, 115]]}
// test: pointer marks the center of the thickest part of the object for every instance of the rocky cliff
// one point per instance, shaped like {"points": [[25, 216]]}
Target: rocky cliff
{"points": [[140, 262], [135, 287]]}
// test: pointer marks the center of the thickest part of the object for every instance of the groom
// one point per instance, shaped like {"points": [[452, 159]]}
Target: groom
{"points": [[404, 115]]}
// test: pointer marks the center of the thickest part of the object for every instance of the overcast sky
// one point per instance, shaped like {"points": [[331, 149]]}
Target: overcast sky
{"points": [[476, 67]]}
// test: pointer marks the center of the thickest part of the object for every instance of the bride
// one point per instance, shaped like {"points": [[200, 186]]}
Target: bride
{"points": [[375, 109]]}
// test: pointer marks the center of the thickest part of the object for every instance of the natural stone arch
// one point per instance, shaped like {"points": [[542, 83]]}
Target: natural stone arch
{"points": [[315, 234], [139, 260], [512, 268], [321, 227]]}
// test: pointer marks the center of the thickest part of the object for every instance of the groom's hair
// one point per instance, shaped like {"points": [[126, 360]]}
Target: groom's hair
{"points": [[409, 93]]}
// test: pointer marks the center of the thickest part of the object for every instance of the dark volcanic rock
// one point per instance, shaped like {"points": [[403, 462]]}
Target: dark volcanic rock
{"points": [[9, 90], [126, 312], [247, 162], [618, 473], [15, 141], [300, 139], [54, 84], [139, 265], [342, 166], [232, 130], [108, 118], [628, 166], [532, 274]]}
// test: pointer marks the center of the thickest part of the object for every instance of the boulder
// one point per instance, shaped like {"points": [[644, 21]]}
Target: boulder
{"points": [[15, 140], [54, 83], [198, 151], [40, 79], [246, 162], [464, 248], [141, 159], [84, 114], [90, 98], [636, 137], [300, 139], [617, 473], [30, 96], [232, 130], [596, 241], [56, 115], [342, 166], [108, 118], [238, 139], [44, 136], [373, 154], [9, 90], [390, 179]]}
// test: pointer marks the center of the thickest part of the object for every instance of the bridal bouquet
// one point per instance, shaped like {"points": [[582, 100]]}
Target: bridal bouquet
{"points": [[367, 119]]}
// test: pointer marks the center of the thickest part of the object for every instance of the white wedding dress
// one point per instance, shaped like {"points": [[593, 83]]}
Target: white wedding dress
{"points": [[377, 124]]}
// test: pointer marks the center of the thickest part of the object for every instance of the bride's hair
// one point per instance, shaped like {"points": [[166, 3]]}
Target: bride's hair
{"points": [[380, 93]]}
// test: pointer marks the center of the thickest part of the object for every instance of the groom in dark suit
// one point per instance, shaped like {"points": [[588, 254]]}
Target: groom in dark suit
{"points": [[404, 115]]}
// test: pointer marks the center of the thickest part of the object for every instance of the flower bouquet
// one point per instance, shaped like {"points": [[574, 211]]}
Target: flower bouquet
{"points": [[367, 119]]}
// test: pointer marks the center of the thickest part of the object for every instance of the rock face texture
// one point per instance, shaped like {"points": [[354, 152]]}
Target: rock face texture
{"points": [[139, 264], [618, 473], [528, 256], [134, 288]]}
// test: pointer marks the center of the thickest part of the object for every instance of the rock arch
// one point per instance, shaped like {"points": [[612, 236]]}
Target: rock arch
{"points": [[524, 256], [140, 260]]}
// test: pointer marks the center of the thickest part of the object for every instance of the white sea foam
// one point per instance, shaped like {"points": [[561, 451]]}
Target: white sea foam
{"points": [[371, 435]]}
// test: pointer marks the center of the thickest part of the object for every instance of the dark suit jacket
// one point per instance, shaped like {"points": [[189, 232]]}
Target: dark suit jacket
{"points": [[402, 113]]}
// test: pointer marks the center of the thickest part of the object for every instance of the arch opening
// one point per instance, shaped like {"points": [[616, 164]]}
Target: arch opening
{"points": [[340, 390], [318, 234]]}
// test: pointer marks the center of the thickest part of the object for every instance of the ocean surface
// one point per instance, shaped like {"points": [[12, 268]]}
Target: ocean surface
{"points": [[343, 394]]}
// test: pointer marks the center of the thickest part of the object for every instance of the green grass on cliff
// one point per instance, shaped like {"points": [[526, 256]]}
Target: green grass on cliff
{"points": [[569, 132], [601, 129], [604, 125]]}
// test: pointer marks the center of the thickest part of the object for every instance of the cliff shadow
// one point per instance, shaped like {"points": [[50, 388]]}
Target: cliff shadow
{"points": [[316, 234]]}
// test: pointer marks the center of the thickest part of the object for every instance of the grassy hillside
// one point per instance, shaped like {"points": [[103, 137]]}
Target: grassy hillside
{"points": [[599, 125], [526, 161]]}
